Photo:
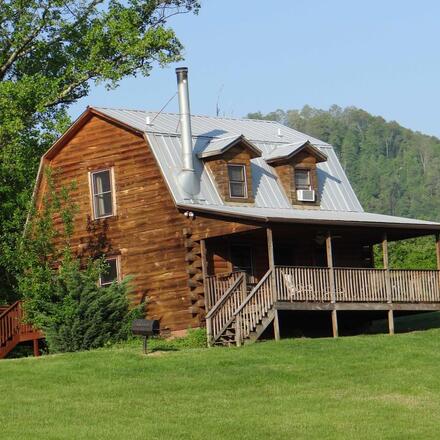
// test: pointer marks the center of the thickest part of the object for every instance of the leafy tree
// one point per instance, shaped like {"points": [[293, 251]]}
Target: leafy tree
{"points": [[51, 52], [61, 290]]}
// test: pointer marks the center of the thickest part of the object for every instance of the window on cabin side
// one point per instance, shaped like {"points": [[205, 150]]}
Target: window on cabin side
{"points": [[237, 181], [102, 194], [111, 272], [302, 179]]}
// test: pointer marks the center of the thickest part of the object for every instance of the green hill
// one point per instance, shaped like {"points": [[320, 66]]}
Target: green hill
{"points": [[366, 387], [393, 170]]}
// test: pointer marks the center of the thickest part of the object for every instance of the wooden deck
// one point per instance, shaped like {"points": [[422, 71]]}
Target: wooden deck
{"points": [[315, 288], [13, 330]]}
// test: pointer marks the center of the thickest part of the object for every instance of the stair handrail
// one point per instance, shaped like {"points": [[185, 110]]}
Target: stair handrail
{"points": [[219, 307], [10, 325], [246, 322]]}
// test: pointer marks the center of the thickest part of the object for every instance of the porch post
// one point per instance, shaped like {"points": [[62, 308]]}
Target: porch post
{"points": [[328, 246], [387, 282], [36, 348], [437, 249], [205, 273], [271, 260]]}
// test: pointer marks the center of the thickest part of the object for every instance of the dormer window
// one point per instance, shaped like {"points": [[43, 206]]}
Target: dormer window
{"points": [[296, 167], [237, 181], [228, 161], [302, 179]]}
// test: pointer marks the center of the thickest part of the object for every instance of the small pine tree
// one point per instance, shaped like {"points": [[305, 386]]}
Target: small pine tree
{"points": [[61, 293]]}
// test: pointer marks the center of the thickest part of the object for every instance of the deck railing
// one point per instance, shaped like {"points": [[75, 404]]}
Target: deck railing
{"points": [[217, 285], [221, 314], [254, 308], [357, 285], [12, 325]]}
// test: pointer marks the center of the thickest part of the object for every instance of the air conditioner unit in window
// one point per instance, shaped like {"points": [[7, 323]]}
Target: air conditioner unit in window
{"points": [[305, 195]]}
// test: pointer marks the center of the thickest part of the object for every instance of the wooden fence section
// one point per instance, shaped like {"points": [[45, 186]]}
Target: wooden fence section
{"points": [[217, 285], [222, 313], [357, 285]]}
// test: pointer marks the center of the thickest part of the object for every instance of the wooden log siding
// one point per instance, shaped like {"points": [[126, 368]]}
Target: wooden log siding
{"points": [[148, 230]]}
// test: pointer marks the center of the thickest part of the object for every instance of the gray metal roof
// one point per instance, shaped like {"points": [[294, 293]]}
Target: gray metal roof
{"points": [[218, 146], [337, 198]]}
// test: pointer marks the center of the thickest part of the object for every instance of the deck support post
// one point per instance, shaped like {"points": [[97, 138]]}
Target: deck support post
{"points": [[335, 329], [276, 326], [238, 331], [391, 322], [329, 251], [388, 282], [36, 348]]}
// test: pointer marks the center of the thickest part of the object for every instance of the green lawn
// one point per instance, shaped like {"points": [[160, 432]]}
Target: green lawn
{"points": [[367, 387]]}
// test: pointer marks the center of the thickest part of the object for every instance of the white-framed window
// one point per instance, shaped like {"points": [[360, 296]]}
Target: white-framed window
{"points": [[103, 194], [112, 273], [237, 181], [302, 179]]}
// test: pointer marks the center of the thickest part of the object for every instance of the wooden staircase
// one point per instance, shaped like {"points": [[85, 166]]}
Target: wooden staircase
{"points": [[13, 330], [240, 316]]}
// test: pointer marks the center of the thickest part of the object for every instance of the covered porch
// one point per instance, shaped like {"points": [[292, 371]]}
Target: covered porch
{"points": [[251, 276]]}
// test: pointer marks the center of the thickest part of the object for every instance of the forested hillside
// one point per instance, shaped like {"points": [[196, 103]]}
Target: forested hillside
{"points": [[393, 170]]}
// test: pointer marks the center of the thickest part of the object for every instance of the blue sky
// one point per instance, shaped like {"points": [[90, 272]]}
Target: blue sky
{"points": [[382, 56]]}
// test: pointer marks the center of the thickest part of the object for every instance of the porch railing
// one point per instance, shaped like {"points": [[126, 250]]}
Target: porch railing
{"points": [[254, 308], [222, 313], [217, 285], [356, 285]]}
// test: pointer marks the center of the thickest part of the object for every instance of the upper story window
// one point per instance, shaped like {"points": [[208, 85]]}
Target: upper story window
{"points": [[102, 193], [111, 274], [237, 181], [302, 179]]}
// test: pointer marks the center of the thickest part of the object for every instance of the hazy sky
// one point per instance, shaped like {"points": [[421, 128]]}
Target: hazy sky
{"points": [[382, 56]]}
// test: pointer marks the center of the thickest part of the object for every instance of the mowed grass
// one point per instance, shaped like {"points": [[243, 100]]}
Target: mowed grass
{"points": [[366, 387]]}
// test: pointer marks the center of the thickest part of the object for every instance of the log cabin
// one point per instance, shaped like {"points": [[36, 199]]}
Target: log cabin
{"points": [[232, 224]]}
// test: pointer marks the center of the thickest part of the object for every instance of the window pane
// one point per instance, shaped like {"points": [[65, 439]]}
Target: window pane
{"points": [[302, 179], [237, 189], [101, 182], [111, 274], [103, 205], [236, 173]]}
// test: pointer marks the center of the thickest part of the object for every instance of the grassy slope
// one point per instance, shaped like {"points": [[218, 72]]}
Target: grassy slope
{"points": [[351, 388]]}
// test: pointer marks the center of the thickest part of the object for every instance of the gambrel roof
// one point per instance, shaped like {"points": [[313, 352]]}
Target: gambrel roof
{"points": [[212, 135]]}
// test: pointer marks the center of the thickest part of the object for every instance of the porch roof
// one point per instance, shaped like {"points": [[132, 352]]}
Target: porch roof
{"points": [[315, 216]]}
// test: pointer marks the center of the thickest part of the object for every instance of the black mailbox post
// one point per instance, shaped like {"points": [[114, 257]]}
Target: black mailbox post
{"points": [[145, 328]]}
